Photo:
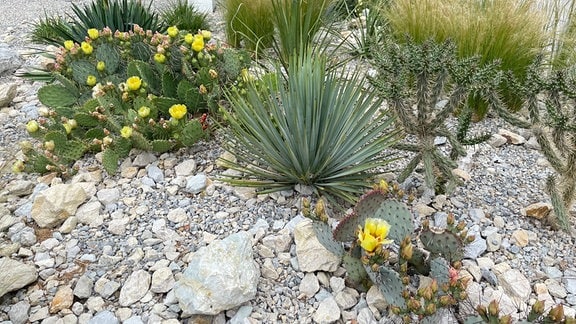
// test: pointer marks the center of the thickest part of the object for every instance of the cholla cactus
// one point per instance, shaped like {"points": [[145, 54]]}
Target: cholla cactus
{"points": [[415, 79], [551, 104]]}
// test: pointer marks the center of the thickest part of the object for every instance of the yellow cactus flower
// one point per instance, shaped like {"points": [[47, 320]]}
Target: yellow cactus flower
{"points": [[93, 33], [373, 234], [206, 34], [160, 58], [32, 126], [178, 111], [173, 31], [198, 43], [100, 66], [134, 83], [68, 45], [143, 112], [126, 132], [189, 38], [91, 81], [86, 48]]}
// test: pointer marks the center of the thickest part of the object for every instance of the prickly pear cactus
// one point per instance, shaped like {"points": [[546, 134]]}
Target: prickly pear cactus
{"points": [[81, 69], [377, 204], [109, 55], [355, 270]]}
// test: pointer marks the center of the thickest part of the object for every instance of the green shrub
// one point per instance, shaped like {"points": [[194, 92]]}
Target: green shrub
{"points": [[511, 31], [316, 130], [249, 23], [119, 15], [116, 91], [185, 16]]}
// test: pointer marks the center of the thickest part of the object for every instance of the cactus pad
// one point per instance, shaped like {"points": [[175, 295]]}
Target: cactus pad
{"points": [[161, 146], [390, 284], [86, 120], [110, 161], [109, 55], [442, 243], [354, 269], [377, 205], [145, 72], [439, 270], [71, 150], [324, 234], [53, 95], [81, 69], [192, 133]]}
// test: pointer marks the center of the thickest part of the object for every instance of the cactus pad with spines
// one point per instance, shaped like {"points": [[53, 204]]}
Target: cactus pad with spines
{"points": [[71, 150], [355, 270], [439, 270], [110, 161], [86, 120], [109, 55], [140, 142], [376, 204], [192, 133], [324, 235], [54, 95], [161, 146], [443, 243], [81, 69], [390, 285]]}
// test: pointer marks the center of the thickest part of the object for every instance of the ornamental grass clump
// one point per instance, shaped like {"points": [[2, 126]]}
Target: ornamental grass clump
{"points": [[184, 16], [249, 23], [123, 90], [319, 129]]}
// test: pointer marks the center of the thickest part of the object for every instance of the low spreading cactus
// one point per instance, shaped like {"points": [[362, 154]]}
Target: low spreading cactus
{"points": [[118, 91]]}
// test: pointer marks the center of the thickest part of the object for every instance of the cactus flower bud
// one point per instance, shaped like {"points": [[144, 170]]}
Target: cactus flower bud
{"points": [[32, 126], [25, 146], [556, 314], [126, 132], [72, 122], [434, 286], [430, 309], [202, 89], [67, 127], [143, 112], [49, 145], [160, 58], [461, 225], [206, 34], [213, 73], [91, 81], [406, 251], [43, 111], [493, 309], [506, 319], [450, 219], [18, 166], [538, 307], [107, 140], [100, 66], [446, 300]]}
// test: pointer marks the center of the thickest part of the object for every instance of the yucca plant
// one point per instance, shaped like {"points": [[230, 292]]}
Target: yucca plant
{"points": [[185, 16], [119, 15], [320, 129], [249, 23], [511, 31]]}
